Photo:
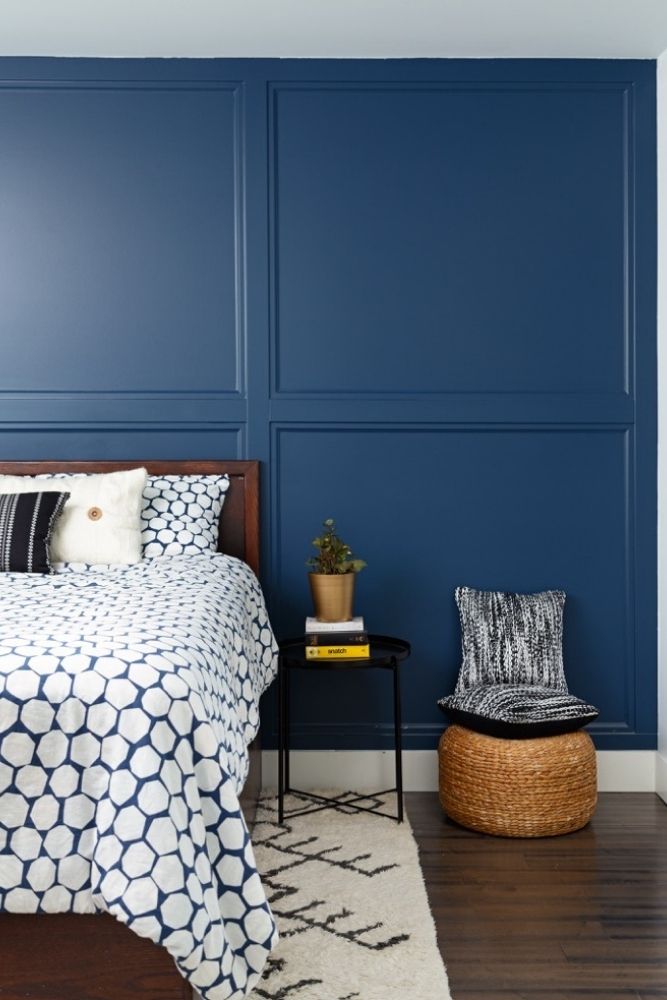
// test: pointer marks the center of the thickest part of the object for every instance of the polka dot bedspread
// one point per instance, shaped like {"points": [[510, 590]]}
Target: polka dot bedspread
{"points": [[128, 697]]}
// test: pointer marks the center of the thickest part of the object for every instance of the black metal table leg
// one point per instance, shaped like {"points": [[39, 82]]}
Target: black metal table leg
{"points": [[397, 740], [281, 741], [288, 722]]}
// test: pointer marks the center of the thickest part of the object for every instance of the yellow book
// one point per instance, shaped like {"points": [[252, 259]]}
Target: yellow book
{"points": [[359, 652]]}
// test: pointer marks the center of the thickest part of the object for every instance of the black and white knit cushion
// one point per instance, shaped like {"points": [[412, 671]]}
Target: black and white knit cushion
{"points": [[26, 523], [517, 711], [511, 638]]}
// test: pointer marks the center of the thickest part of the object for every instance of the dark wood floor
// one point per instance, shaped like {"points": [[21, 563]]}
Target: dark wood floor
{"points": [[552, 919]]}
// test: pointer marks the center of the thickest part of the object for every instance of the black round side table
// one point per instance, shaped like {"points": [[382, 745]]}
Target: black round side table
{"points": [[387, 653]]}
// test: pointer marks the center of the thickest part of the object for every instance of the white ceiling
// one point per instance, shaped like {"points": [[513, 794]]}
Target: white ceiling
{"points": [[335, 28]]}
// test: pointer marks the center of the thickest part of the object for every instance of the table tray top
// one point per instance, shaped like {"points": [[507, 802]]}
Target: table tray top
{"points": [[385, 651]]}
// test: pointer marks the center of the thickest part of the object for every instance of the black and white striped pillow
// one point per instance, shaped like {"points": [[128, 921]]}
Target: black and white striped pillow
{"points": [[511, 638], [26, 523], [512, 711]]}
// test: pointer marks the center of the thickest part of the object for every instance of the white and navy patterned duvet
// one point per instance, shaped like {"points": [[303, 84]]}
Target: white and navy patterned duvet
{"points": [[128, 697]]}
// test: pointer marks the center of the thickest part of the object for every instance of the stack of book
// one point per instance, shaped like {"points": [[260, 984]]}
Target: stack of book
{"points": [[337, 640]]}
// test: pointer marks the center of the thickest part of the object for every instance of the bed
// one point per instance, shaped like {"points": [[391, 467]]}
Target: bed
{"points": [[49, 954]]}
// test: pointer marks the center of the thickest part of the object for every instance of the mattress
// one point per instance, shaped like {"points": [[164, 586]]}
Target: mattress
{"points": [[128, 698]]}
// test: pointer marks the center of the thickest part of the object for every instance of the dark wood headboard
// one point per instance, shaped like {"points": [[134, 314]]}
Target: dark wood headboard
{"points": [[239, 521]]}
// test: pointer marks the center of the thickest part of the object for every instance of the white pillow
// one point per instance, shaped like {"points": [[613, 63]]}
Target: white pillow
{"points": [[101, 520]]}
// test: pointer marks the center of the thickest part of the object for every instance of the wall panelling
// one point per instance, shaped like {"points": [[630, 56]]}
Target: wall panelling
{"points": [[421, 292]]}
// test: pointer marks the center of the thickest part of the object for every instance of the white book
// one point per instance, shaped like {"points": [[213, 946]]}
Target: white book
{"points": [[354, 625]]}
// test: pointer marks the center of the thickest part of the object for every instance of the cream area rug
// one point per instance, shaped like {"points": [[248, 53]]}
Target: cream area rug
{"points": [[349, 897]]}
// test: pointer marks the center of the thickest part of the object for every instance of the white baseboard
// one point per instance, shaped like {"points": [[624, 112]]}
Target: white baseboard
{"points": [[661, 775], [618, 770], [626, 770], [354, 769]]}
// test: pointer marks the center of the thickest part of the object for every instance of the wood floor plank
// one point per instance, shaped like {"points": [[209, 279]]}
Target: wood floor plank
{"points": [[551, 995], [603, 994], [562, 918]]}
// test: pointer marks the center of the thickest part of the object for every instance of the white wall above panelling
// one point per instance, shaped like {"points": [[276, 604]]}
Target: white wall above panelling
{"points": [[345, 28]]}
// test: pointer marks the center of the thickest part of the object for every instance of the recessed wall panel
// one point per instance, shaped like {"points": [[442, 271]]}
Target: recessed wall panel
{"points": [[118, 238], [431, 509], [439, 238], [98, 443]]}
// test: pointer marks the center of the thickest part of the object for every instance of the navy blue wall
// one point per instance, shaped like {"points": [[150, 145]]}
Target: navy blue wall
{"points": [[422, 293]]}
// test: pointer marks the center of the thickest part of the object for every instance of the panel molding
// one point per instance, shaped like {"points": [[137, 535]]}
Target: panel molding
{"points": [[607, 409], [136, 439], [624, 731], [255, 412], [76, 399], [29, 408], [624, 88]]}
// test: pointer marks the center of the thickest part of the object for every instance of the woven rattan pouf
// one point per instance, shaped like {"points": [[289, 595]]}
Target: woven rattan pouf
{"points": [[518, 788]]}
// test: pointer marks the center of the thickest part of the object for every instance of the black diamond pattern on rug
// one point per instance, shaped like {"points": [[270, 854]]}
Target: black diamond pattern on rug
{"points": [[337, 881]]}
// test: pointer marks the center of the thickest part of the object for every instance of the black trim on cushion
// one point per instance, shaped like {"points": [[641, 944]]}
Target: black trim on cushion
{"points": [[512, 711], [26, 523], [515, 730]]}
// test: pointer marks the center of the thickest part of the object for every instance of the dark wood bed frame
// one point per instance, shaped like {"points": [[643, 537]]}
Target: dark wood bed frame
{"points": [[70, 956]]}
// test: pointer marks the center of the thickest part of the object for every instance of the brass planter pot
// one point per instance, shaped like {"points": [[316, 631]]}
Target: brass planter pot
{"points": [[332, 595]]}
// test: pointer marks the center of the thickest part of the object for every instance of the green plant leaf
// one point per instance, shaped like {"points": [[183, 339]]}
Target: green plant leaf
{"points": [[334, 556]]}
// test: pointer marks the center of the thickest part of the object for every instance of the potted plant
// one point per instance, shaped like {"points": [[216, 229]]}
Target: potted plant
{"points": [[332, 574]]}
